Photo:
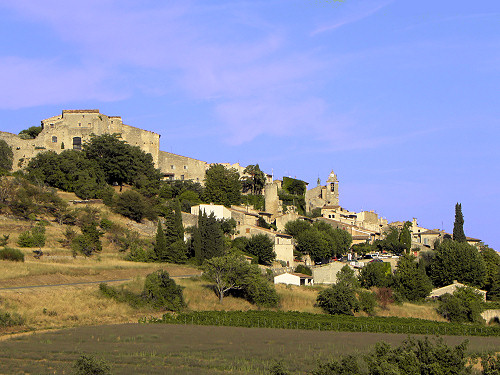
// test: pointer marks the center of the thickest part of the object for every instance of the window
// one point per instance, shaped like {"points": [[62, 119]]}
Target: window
{"points": [[182, 177], [51, 125], [332, 187], [172, 167], [79, 124], [90, 124], [77, 143], [185, 167], [54, 139]]}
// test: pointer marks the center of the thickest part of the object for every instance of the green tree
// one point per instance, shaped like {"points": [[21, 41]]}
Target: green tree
{"points": [[160, 247], [458, 226], [405, 236], [122, 163], [133, 205], [208, 241], [162, 292], [222, 185], [376, 274], [261, 246], [256, 180], [410, 280], [339, 299], [89, 242], [226, 272], [294, 227], [30, 133], [457, 261], [233, 273], [464, 305], [314, 243], [90, 365], [492, 263], [6, 157], [347, 276]]}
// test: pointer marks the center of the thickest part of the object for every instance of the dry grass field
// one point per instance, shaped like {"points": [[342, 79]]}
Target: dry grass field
{"points": [[179, 349]]}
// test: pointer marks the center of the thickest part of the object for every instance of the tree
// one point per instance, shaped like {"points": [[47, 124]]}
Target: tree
{"points": [[464, 305], [122, 163], [89, 242], [133, 205], [222, 185], [162, 292], [30, 133], [160, 247], [227, 272], [314, 243], [6, 157], [375, 274], [261, 246], [492, 263], [256, 181], [338, 299], [405, 236], [233, 273], [90, 365], [294, 227], [347, 276], [458, 226], [410, 280], [457, 261], [208, 238]]}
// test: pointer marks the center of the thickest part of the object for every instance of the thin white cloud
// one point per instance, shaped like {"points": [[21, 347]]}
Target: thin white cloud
{"points": [[358, 12]]}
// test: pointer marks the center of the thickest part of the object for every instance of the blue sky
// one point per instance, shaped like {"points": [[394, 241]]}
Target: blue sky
{"points": [[399, 98]]}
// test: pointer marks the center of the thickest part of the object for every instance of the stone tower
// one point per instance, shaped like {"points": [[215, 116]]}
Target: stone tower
{"points": [[332, 190], [272, 201]]}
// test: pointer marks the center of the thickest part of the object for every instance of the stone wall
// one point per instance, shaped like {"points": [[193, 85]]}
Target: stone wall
{"points": [[177, 167]]}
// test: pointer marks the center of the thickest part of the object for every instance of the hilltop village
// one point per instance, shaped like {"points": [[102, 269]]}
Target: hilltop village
{"points": [[73, 128], [87, 198]]}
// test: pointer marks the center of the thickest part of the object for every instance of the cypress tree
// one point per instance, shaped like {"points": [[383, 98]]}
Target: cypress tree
{"points": [[197, 238], [458, 226], [160, 247], [178, 227], [405, 236]]}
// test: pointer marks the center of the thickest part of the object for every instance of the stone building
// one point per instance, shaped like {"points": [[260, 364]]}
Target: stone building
{"points": [[323, 195]]}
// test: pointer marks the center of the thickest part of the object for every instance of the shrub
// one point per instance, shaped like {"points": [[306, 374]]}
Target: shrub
{"points": [[9, 253], [90, 365], [303, 269], [122, 295], [376, 274], [261, 292], [162, 292], [367, 301], [384, 297], [4, 240], [278, 369], [34, 237], [465, 305], [338, 299], [132, 204], [10, 320]]}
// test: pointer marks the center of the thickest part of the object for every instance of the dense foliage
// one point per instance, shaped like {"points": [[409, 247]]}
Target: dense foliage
{"points": [[464, 305], [457, 261], [30, 133], [458, 225], [9, 253], [376, 274], [410, 280], [222, 185], [90, 365], [254, 179], [208, 238], [6, 157], [413, 356], [261, 246], [231, 273]]}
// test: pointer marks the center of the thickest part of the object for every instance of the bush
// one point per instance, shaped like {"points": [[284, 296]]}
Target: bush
{"points": [[278, 369], [90, 365], [303, 269], [133, 205], [9, 253], [10, 320], [367, 302], [34, 237], [338, 299], [376, 274], [261, 293], [162, 292], [465, 305]]}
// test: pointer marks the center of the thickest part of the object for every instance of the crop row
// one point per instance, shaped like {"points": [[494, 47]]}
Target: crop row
{"points": [[308, 321]]}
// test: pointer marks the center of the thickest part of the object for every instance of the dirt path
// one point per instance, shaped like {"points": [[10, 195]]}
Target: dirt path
{"points": [[86, 282]]}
